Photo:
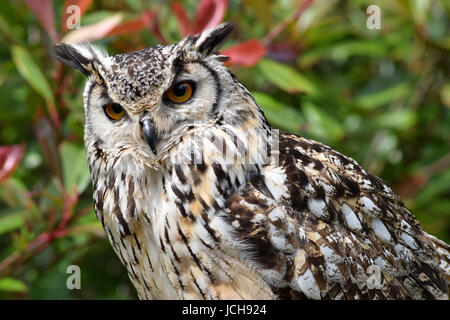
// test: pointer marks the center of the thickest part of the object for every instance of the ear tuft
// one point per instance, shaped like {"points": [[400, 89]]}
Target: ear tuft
{"points": [[71, 57], [212, 38], [83, 57]]}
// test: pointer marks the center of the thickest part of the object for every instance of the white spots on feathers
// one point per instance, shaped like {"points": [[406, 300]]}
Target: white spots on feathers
{"points": [[406, 227], [275, 181], [366, 185], [332, 260], [410, 242], [369, 207], [351, 219], [318, 207], [380, 230], [403, 252], [307, 284], [276, 214]]}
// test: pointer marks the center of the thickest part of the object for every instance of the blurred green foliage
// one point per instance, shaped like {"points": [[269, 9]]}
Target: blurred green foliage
{"points": [[379, 96]]}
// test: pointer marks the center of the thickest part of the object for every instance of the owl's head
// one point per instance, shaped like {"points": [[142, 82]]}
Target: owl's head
{"points": [[147, 101]]}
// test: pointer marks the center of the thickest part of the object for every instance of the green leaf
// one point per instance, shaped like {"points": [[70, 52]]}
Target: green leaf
{"points": [[135, 5], [12, 285], [13, 192], [5, 28], [379, 98], [445, 95], [341, 52], [31, 72], [420, 10], [279, 115], [11, 222], [373, 49], [321, 124], [95, 228], [439, 208], [75, 168], [396, 119], [260, 9], [438, 185], [286, 77]]}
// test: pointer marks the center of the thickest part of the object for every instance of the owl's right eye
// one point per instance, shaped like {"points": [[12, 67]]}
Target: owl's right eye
{"points": [[180, 92], [114, 111]]}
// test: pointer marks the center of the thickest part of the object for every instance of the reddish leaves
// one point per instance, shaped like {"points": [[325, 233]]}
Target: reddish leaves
{"points": [[209, 14], [112, 26], [184, 24], [146, 20], [246, 53], [135, 25], [43, 10], [10, 157]]}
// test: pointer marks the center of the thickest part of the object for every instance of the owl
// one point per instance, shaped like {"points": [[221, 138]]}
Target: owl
{"points": [[202, 199]]}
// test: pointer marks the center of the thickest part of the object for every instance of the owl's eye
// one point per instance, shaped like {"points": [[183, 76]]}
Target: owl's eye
{"points": [[180, 92], [114, 111]]}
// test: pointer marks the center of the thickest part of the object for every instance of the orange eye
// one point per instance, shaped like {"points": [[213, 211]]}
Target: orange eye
{"points": [[180, 92], [114, 111]]}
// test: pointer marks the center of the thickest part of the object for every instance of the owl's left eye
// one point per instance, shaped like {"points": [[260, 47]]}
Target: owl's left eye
{"points": [[180, 92], [114, 111]]}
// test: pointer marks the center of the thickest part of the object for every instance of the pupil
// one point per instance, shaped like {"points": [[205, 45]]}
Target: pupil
{"points": [[116, 108], [179, 90]]}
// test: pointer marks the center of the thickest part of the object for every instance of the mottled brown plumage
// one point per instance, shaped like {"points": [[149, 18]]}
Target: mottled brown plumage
{"points": [[202, 199]]}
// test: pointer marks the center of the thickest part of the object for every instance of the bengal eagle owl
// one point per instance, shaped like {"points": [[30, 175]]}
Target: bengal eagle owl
{"points": [[202, 199]]}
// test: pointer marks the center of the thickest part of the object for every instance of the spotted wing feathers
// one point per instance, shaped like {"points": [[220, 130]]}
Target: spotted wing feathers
{"points": [[321, 227]]}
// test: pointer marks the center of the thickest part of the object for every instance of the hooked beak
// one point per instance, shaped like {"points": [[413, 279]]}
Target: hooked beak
{"points": [[149, 133]]}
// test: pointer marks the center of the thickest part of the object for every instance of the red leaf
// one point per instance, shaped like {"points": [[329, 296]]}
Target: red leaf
{"points": [[126, 27], [209, 14], [10, 157], [82, 4], [135, 25], [150, 20], [43, 10], [184, 23], [246, 53]]}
